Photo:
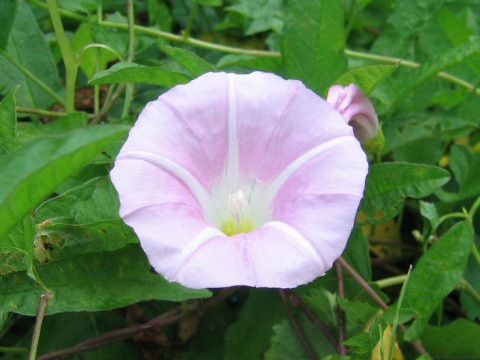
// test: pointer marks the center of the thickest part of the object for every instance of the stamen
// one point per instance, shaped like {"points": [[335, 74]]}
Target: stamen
{"points": [[237, 204]]}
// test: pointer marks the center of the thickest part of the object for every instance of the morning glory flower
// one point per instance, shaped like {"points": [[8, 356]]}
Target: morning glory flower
{"points": [[240, 180], [358, 112]]}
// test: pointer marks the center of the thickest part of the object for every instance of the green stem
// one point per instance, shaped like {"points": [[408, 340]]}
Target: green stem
{"points": [[391, 281], [33, 77], [475, 253], [411, 64], [62, 12], [28, 110], [397, 313], [67, 55], [464, 285], [474, 209], [450, 216], [235, 50], [98, 55], [130, 55]]}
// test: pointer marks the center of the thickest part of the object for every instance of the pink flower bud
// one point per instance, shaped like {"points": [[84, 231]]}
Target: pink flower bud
{"points": [[356, 109]]}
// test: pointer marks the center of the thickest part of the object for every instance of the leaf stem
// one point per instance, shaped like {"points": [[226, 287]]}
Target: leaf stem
{"points": [[67, 55], [397, 313], [28, 110], [464, 285], [342, 350], [38, 325], [411, 64], [391, 281], [33, 77], [474, 208], [131, 53], [296, 327], [297, 301]]}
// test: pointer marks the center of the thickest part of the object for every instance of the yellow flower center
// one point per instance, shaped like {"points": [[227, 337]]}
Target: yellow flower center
{"points": [[237, 223]]}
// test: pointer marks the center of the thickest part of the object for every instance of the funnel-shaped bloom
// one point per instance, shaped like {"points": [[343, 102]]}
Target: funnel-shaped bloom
{"points": [[356, 109], [240, 180]]}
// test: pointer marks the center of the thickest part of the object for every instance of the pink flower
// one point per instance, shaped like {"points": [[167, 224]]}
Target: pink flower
{"points": [[356, 109], [240, 180]]}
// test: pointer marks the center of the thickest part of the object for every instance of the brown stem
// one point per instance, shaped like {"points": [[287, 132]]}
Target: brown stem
{"points": [[167, 318], [368, 289], [342, 350], [296, 327], [313, 318]]}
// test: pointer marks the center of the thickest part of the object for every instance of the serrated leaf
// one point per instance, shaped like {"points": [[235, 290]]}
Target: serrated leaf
{"points": [[405, 130], [131, 72], [191, 61], [313, 42], [8, 124], [366, 77], [36, 169], [435, 275], [92, 282], [8, 9], [389, 183], [26, 39]]}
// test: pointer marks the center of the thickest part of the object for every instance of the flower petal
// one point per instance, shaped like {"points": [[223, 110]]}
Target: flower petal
{"points": [[278, 121], [188, 125]]}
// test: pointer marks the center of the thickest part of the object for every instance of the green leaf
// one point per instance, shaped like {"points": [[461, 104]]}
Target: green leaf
{"points": [[465, 166], [191, 61], [458, 340], [68, 329], [431, 68], [82, 38], [92, 282], [131, 72], [210, 2], [405, 130], [30, 130], [458, 33], [405, 22], [8, 124], [8, 9], [436, 274], [35, 170], [261, 15], [92, 201], [313, 42], [389, 183], [237, 63], [25, 40], [262, 304], [366, 77], [285, 344]]}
